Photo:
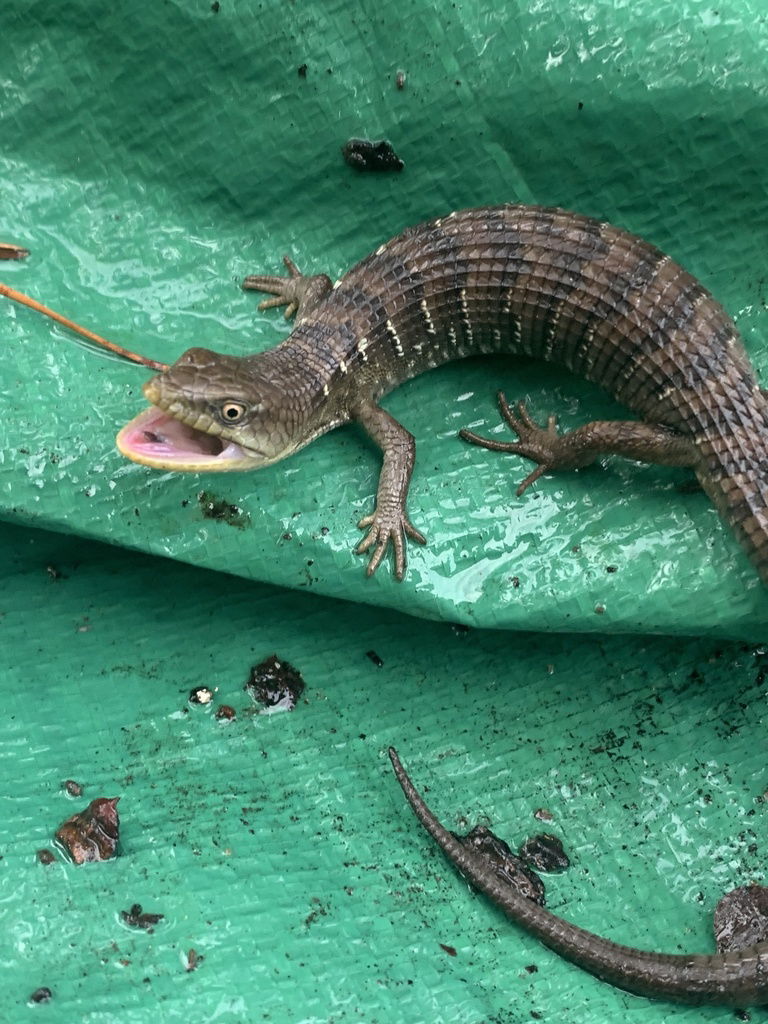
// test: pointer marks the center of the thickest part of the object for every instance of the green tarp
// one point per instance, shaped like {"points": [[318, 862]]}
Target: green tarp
{"points": [[153, 155], [280, 848]]}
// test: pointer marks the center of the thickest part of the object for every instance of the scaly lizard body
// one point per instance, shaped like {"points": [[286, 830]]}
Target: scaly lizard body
{"points": [[516, 279]]}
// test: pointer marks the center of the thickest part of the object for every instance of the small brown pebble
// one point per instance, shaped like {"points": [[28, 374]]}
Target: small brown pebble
{"points": [[194, 959], [374, 657], [201, 695], [531, 968], [12, 252], [136, 918], [226, 711], [92, 834], [45, 856], [400, 79], [41, 995], [599, 609], [72, 787], [542, 814], [450, 950]]}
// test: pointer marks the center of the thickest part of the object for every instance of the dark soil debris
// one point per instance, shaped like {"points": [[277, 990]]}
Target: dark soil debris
{"points": [[544, 852], [217, 508], [369, 155], [226, 712], [275, 684], [137, 918], [45, 856], [72, 787], [41, 995], [318, 912], [92, 834]]}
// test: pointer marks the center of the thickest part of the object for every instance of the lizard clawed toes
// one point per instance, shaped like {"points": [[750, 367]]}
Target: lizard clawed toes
{"points": [[540, 444], [298, 292], [286, 290], [383, 530]]}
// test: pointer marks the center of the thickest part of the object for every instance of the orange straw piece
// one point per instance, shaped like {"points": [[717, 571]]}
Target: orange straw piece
{"points": [[25, 300]]}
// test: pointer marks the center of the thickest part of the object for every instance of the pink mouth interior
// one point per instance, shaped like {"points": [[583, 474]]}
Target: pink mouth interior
{"points": [[154, 435]]}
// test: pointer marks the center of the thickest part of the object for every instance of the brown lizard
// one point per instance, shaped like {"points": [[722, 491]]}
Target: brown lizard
{"points": [[513, 279]]}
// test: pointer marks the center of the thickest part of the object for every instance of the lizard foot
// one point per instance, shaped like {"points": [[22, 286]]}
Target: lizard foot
{"points": [[540, 444], [385, 529], [296, 292]]}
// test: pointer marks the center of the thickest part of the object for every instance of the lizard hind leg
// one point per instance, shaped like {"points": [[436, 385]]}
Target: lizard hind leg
{"points": [[632, 439]]}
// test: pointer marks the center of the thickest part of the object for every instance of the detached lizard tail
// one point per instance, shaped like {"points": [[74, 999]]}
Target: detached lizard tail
{"points": [[738, 978]]}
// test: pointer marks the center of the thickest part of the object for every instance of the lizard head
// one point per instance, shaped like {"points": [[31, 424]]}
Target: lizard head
{"points": [[212, 412]]}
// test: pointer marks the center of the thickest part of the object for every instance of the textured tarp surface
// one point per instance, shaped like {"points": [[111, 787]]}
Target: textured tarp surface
{"points": [[153, 154], [281, 849]]}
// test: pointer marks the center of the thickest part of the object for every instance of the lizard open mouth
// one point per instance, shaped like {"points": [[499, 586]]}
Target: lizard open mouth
{"points": [[156, 439]]}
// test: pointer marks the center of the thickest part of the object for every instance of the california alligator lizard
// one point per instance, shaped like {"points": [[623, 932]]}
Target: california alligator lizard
{"points": [[738, 979], [517, 279]]}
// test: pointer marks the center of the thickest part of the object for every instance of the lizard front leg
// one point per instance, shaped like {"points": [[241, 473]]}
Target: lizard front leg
{"points": [[389, 522], [632, 439], [299, 293]]}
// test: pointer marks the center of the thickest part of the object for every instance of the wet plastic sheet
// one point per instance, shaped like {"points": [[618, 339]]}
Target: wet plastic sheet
{"points": [[280, 848], [154, 154]]}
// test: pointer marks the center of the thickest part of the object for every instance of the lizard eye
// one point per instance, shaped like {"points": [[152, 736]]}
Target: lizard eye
{"points": [[232, 412]]}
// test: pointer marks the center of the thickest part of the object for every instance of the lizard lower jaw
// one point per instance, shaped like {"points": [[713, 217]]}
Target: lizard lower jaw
{"points": [[155, 439]]}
